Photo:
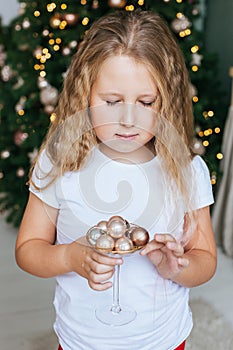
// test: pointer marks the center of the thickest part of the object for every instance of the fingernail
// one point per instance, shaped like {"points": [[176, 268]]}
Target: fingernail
{"points": [[159, 237], [171, 245]]}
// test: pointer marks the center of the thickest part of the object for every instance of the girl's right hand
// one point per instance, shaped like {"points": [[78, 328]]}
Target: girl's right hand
{"points": [[97, 268]]}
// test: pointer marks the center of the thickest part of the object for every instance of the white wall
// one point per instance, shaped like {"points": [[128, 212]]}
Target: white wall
{"points": [[8, 10]]}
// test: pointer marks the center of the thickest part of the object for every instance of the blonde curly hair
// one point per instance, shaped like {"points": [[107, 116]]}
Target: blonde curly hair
{"points": [[145, 37]]}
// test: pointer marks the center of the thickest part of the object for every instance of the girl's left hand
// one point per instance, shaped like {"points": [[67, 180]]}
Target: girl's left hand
{"points": [[166, 254]]}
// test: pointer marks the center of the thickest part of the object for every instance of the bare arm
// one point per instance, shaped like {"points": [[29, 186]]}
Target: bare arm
{"points": [[37, 254], [201, 253], [191, 265]]}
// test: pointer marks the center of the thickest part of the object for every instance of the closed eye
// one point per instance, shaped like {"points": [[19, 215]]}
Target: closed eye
{"points": [[112, 103], [147, 104]]}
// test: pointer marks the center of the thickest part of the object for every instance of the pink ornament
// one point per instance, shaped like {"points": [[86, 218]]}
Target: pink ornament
{"points": [[20, 137], [123, 244], [116, 226], [102, 225], [105, 242], [140, 236], [93, 234], [20, 172]]}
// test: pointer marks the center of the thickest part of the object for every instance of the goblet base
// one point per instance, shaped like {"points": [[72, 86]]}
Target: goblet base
{"points": [[115, 315]]}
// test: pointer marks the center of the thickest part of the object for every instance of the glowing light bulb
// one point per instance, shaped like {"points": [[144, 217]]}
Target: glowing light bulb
{"points": [[219, 156]]}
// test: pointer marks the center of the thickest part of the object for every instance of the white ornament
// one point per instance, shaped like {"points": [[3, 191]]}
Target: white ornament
{"points": [[19, 83], [5, 154], [6, 73], [198, 147], [21, 103], [38, 52], [196, 59], [192, 90], [26, 23], [32, 155], [49, 95], [2, 56], [180, 24], [42, 82]]}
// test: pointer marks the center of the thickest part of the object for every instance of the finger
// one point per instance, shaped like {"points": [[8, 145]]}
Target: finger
{"points": [[164, 238], [100, 286], [176, 248], [100, 278], [100, 268], [105, 259], [151, 246]]}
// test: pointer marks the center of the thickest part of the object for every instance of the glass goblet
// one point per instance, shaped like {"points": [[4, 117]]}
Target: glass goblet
{"points": [[116, 314]]}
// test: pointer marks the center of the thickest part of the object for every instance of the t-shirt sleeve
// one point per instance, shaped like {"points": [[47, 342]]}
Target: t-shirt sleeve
{"points": [[41, 178], [202, 194]]}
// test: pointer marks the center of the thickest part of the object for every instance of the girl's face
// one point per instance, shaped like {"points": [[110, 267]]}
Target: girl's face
{"points": [[122, 102]]}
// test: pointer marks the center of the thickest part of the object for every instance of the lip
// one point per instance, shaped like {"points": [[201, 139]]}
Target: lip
{"points": [[128, 137]]}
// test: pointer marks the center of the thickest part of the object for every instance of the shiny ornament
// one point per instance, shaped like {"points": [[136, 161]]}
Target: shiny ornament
{"points": [[5, 154], [71, 18], [66, 51], [45, 32], [20, 137], [198, 147], [26, 23], [195, 11], [95, 4], [93, 234], [42, 82], [21, 103], [117, 3], [116, 226], [55, 20], [123, 244], [140, 236], [2, 56], [180, 24], [196, 59], [192, 90], [32, 155], [102, 225], [18, 84], [20, 172], [6, 73], [73, 44], [49, 109], [22, 8], [49, 95], [105, 242], [38, 52], [18, 27]]}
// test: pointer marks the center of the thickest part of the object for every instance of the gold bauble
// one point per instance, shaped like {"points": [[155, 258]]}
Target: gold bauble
{"points": [[116, 226], [123, 244]]}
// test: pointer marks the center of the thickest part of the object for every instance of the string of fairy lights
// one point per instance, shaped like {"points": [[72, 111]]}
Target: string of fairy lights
{"points": [[60, 20]]}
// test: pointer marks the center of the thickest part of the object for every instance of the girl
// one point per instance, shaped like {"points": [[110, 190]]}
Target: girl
{"points": [[121, 145]]}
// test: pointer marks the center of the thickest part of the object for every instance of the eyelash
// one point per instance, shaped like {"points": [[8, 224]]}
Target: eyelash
{"points": [[145, 104], [112, 103]]}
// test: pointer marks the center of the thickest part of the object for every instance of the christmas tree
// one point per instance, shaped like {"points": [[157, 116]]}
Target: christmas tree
{"points": [[35, 52]]}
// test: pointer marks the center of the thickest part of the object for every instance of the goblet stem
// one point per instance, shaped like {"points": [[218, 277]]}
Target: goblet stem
{"points": [[116, 308]]}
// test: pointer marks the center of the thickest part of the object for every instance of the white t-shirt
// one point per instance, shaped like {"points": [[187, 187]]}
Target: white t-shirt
{"points": [[140, 194]]}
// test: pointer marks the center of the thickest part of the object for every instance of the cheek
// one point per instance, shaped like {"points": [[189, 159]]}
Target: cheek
{"points": [[104, 132], [147, 127]]}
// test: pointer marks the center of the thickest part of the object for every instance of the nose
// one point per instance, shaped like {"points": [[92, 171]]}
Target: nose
{"points": [[128, 116]]}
